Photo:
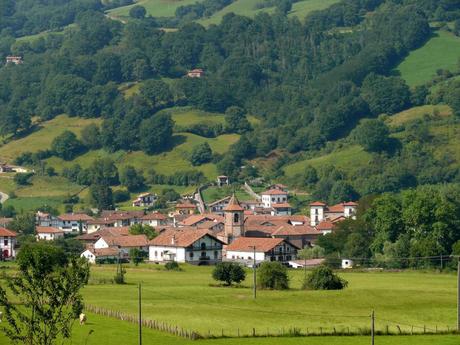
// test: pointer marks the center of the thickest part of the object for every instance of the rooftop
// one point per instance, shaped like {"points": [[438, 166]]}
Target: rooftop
{"points": [[247, 244]]}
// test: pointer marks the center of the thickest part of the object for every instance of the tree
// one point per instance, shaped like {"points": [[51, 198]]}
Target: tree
{"points": [[229, 272], [23, 224], [22, 179], [273, 275], [90, 137], [315, 252], [46, 293], [131, 179], [323, 278], [143, 229], [66, 145], [156, 133], [137, 256], [201, 154], [101, 196], [236, 121], [342, 191], [372, 135], [137, 12], [157, 93]]}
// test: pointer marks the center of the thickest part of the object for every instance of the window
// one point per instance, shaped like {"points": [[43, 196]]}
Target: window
{"points": [[203, 246], [5, 242], [236, 218], [156, 253], [288, 258], [216, 254], [273, 199], [249, 257], [272, 258], [191, 255], [316, 211], [161, 254]]}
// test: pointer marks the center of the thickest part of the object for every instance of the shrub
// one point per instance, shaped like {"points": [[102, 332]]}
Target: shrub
{"points": [[172, 266], [273, 275], [229, 272], [323, 278]]}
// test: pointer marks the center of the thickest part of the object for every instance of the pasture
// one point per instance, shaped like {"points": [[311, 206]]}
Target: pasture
{"points": [[189, 299], [440, 52], [156, 8]]}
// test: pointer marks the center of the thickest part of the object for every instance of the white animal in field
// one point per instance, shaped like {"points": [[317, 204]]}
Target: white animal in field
{"points": [[1, 316], [82, 319]]}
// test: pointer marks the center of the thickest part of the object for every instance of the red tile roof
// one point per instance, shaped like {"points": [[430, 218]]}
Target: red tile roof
{"points": [[350, 203], [336, 208], [291, 230], [7, 233], [154, 216], [246, 244], [195, 218], [126, 241], [325, 225], [48, 230], [233, 205], [282, 205], [185, 205], [75, 217], [180, 238], [109, 231], [317, 203], [274, 192]]}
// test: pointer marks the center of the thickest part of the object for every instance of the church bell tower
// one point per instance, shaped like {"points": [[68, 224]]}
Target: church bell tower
{"points": [[234, 219]]}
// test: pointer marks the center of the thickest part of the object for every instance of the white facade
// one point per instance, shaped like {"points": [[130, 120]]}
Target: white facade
{"points": [[316, 215], [49, 236], [153, 222], [269, 200], [347, 263], [237, 255], [7, 247], [88, 255], [349, 211]]}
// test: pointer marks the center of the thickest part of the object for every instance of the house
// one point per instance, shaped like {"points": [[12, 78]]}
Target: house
{"points": [[195, 73], [95, 255], [193, 246], [91, 238], [45, 219], [301, 236], [17, 60], [219, 205], [7, 244], [122, 218], [185, 208], [309, 263], [279, 186], [197, 219], [320, 211], [123, 243], [245, 249], [154, 219], [281, 209], [223, 181], [73, 222], [4, 168], [273, 196], [145, 200], [325, 226], [48, 233]]}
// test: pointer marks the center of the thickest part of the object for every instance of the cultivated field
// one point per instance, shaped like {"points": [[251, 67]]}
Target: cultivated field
{"points": [[440, 52]]}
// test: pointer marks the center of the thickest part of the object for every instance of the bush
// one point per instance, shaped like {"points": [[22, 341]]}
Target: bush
{"points": [[172, 266], [323, 278], [273, 275], [229, 272], [22, 179]]}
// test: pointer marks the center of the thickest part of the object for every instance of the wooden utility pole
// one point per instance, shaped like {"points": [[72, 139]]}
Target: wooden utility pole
{"points": [[254, 273], [373, 328], [458, 294], [140, 315]]}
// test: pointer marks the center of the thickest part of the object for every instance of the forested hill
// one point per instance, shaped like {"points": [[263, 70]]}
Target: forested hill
{"points": [[309, 82]]}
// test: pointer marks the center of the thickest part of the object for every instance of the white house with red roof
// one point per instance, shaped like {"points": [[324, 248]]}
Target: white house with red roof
{"points": [[145, 200], [274, 196], [7, 244], [73, 222], [320, 211], [48, 233], [243, 249], [154, 219]]}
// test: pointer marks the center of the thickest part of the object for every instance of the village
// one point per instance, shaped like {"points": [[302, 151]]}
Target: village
{"points": [[247, 232]]}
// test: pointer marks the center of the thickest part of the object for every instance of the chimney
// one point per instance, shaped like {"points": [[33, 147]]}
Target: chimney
{"points": [[173, 240]]}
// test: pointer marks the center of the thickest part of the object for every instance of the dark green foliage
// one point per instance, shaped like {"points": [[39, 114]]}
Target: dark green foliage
{"points": [[172, 266], [22, 179], [372, 135], [120, 196], [387, 95], [323, 278], [101, 196], [70, 246], [201, 154], [137, 12], [142, 229], [156, 133], [202, 9], [23, 224], [66, 145], [236, 121], [137, 256], [272, 275], [229, 272], [90, 137], [131, 179], [44, 271]]}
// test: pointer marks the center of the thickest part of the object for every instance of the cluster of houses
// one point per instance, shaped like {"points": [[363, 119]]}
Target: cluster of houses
{"points": [[230, 230]]}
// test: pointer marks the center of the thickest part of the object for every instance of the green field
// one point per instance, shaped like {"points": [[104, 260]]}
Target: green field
{"points": [[156, 8], [418, 113], [186, 299], [212, 194], [248, 8], [41, 138], [440, 52]]}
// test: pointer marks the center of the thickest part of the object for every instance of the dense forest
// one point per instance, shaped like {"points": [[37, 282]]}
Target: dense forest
{"points": [[309, 83]]}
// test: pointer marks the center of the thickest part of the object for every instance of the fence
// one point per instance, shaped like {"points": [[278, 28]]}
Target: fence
{"points": [[387, 327]]}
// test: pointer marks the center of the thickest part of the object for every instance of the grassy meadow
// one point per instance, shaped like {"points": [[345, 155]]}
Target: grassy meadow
{"points": [[442, 51], [406, 298], [156, 8]]}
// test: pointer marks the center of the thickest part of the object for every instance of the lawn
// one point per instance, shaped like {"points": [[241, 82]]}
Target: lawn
{"points": [[440, 52], [212, 194], [418, 113], [49, 186], [25, 204], [347, 158], [404, 298], [41, 139]]}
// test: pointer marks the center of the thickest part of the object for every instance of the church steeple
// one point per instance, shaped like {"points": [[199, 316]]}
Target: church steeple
{"points": [[234, 219]]}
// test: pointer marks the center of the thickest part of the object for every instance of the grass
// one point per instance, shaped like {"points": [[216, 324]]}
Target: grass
{"points": [[212, 194], [156, 8], [408, 298], [347, 158], [50, 186], [7, 184], [248, 8], [41, 138], [187, 116], [418, 113], [440, 52], [25, 204]]}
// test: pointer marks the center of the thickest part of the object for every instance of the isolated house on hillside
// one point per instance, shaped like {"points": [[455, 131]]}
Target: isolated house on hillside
{"points": [[16, 60], [7, 244], [145, 200], [195, 73]]}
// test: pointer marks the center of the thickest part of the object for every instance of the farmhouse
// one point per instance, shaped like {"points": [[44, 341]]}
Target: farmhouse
{"points": [[7, 244], [273, 196], [48, 233], [73, 222], [320, 211], [219, 205], [185, 208], [94, 255], [123, 243], [223, 180], [154, 219], [145, 200], [195, 73], [92, 237], [193, 246], [16, 60], [243, 250]]}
